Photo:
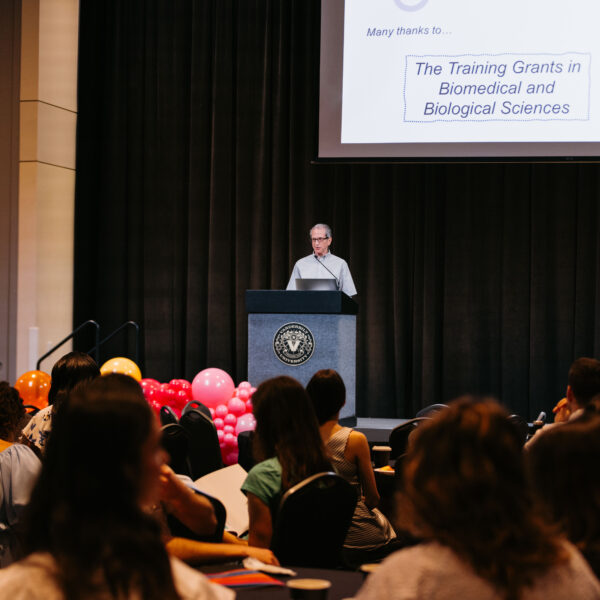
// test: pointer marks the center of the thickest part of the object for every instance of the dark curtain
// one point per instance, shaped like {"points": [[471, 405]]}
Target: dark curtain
{"points": [[196, 135]]}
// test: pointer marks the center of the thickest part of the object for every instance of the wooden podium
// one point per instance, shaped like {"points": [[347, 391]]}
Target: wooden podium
{"points": [[297, 333]]}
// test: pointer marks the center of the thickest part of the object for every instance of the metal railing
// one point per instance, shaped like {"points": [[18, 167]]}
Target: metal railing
{"points": [[95, 350]]}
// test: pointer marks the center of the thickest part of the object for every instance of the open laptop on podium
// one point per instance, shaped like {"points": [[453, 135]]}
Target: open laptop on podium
{"points": [[316, 285]]}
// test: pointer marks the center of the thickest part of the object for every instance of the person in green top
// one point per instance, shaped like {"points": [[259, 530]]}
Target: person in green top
{"points": [[287, 445]]}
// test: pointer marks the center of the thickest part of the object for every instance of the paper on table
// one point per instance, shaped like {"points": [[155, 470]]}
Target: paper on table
{"points": [[225, 485]]}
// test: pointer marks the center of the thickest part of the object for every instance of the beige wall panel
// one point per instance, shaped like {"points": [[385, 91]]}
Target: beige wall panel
{"points": [[56, 136], [29, 49], [27, 262], [58, 38], [28, 131], [55, 229]]}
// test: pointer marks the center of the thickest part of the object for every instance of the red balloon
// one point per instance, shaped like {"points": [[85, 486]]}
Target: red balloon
{"points": [[221, 411], [147, 382], [230, 419], [229, 440], [182, 385], [248, 406], [181, 399], [230, 458], [212, 412], [228, 429], [244, 385], [220, 435], [244, 394], [219, 424], [236, 407], [166, 395]]}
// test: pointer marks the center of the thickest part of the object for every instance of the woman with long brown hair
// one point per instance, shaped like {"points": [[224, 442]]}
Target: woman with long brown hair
{"points": [[287, 445], [466, 492]]}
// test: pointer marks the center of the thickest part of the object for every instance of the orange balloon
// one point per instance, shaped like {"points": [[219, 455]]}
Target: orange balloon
{"points": [[33, 387], [121, 365]]}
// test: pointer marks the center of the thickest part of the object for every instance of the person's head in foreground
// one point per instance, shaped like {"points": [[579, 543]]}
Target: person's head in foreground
{"points": [[583, 382], [327, 392], [68, 372], [101, 469], [286, 428], [466, 493], [11, 412], [566, 479]]}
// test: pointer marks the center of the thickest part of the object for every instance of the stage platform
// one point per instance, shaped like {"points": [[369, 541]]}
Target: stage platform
{"points": [[376, 430]]}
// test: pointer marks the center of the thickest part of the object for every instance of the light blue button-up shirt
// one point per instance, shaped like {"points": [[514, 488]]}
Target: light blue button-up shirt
{"points": [[312, 267]]}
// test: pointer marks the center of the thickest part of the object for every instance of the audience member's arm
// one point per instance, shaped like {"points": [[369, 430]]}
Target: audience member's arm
{"points": [[358, 448], [194, 552], [261, 524], [193, 510]]}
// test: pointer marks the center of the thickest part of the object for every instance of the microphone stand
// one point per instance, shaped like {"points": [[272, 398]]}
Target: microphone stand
{"points": [[337, 281]]}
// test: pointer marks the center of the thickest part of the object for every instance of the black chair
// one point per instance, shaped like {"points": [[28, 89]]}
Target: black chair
{"points": [[195, 404], [398, 440], [167, 415], [204, 451], [31, 410], [429, 411], [312, 522], [175, 440], [522, 427], [178, 529], [245, 456]]}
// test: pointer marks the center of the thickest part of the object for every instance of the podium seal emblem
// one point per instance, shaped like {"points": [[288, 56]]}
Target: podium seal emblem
{"points": [[293, 344]]}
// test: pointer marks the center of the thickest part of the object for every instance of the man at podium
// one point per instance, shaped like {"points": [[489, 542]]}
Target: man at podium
{"points": [[321, 264]]}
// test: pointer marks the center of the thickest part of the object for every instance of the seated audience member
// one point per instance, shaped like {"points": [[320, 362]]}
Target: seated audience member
{"points": [[583, 385], [563, 466], [370, 536], [287, 444], [87, 533], [19, 468], [190, 509], [69, 371], [465, 485]]}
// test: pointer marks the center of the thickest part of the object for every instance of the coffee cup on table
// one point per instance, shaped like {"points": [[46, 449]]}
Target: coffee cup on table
{"points": [[309, 589], [381, 455]]}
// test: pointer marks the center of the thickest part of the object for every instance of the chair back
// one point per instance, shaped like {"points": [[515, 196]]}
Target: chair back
{"points": [[175, 440], [429, 411], [245, 456], [204, 452], [398, 440], [521, 425], [195, 404], [312, 522], [167, 415], [178, 529]]}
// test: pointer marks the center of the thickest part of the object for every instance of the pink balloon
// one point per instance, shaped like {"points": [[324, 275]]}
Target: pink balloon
{"points": [[212, 412], [252, 390], [244, 385], [230, 420], [245, 423], [221, 411], [230, 458], [228, 429], [220, 435], [218, 423], [244, 394], [230, 440], [212, 387], [248, 406], [236, 406]]}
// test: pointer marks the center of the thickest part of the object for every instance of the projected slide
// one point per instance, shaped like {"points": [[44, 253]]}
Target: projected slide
{"points": [[470, 71]]}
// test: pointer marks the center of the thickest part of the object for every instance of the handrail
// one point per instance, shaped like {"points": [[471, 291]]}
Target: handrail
{"points": [[96, 348]]}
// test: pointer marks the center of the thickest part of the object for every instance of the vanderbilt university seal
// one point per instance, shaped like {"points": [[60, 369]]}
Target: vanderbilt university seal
{"points": [[293, 344]]}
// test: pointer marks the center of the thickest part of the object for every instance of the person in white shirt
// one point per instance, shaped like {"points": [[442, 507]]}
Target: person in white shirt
{"points": [[321, 264]]}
